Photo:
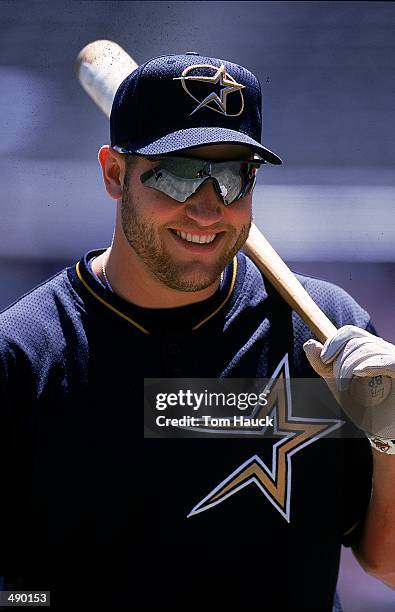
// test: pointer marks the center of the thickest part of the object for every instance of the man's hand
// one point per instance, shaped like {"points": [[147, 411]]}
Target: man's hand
{"points": [[359, 368], [349, 362]]}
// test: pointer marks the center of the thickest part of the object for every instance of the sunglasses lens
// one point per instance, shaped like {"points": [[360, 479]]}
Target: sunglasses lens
{"points": [[175, 187], [230, 180], [182, 167], [180, 177]]}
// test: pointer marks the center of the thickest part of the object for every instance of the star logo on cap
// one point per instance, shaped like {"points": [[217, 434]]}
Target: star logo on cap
{"points": [[222, 79]]}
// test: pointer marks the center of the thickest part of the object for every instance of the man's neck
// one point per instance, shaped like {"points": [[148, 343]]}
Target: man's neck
{"points": [[131, 281]]}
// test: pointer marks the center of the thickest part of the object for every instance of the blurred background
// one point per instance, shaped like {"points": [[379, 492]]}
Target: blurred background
{"points": [[327, 73]]}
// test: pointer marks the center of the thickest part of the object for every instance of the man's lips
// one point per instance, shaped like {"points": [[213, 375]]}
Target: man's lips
{"points": [[197, 241], [196, 237]]}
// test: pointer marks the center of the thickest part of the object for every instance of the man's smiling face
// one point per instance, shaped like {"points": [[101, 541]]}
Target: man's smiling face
{"points": [[159, 229]]}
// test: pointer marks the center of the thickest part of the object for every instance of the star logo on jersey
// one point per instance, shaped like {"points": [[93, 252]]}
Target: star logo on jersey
{"points": [[292, 434], [221, 83], [258, 422]]}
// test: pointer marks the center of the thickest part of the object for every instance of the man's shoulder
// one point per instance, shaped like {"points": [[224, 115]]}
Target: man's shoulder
{"points": [[36, 314], [338, 305]]}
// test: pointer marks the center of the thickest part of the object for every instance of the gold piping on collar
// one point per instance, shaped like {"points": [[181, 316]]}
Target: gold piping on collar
{"points": [[346, 533], [232, 284], [140, 327], [118, 312]]}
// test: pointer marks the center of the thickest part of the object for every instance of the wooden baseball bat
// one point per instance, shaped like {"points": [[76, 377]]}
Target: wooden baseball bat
{"points": [[101, 67]]}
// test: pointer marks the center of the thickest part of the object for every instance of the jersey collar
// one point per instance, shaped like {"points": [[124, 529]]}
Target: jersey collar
{"points": [[190, 318]]}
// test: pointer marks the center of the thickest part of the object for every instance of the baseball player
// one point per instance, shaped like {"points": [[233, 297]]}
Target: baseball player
{"points": [[204, 522]]}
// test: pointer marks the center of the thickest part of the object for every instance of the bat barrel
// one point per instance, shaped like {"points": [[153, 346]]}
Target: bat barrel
{"points": [[101, 67]]}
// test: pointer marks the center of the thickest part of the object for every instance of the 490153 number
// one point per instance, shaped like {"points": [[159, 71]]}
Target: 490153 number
{"points": [[27, 597], [24, 599]]}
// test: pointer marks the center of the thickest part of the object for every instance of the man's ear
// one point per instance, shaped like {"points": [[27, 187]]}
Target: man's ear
{"points": [[113, 168]]}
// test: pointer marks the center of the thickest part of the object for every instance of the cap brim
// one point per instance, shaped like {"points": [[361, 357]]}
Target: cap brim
{"points": [[195, 137]]}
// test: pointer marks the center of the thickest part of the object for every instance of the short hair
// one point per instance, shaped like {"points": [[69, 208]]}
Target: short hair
{"points": [[130, 161]]}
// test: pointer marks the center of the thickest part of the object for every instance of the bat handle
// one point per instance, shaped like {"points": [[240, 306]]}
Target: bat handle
{"points": [[281, 277], [288, 286]]}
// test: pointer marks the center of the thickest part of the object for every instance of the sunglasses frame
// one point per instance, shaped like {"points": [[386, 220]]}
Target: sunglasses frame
{"points": [[207, 163]]}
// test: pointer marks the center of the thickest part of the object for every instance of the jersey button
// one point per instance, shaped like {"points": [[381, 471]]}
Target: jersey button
{"points": [[174, 350]]}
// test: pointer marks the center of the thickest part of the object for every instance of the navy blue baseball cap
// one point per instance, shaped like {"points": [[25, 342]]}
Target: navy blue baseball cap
{"points": [[175, 102]]}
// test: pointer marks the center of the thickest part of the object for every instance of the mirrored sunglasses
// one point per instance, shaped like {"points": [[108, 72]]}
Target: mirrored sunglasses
{"points": [[181, 177]]}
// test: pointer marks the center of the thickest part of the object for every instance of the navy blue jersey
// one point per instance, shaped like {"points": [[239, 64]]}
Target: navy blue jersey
{"points": [[94, 512]]}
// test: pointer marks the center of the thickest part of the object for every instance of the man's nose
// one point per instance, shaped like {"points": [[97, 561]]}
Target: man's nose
{"points": [[205, 206]]}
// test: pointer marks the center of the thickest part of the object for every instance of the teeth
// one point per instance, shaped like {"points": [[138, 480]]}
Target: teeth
{"points": [[195, 238]]}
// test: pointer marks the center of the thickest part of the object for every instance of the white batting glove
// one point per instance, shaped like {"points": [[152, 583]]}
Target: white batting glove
{"points": [[358, 368]]}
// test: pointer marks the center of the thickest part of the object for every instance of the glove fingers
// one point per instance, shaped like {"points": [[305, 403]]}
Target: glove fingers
{"points": [[344, 366], [334, 345], [376, 363], [313, 350]]}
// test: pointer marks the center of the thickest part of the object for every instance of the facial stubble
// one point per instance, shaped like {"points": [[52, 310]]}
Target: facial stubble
{"points": [[143, 237]]}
